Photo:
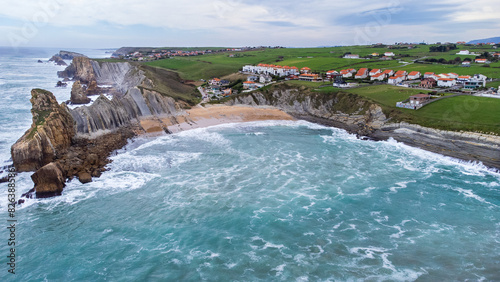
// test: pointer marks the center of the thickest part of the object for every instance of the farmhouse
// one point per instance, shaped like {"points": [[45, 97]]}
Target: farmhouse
{"points": [[464, 52], [347, 73], [375, 71], [389, 54]]}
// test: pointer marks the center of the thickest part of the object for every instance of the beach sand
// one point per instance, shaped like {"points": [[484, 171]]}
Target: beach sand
{"points": [[209, 115]]}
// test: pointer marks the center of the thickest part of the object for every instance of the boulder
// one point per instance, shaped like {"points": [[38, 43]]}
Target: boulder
{"points": [[78, 95], [61, 84], [49, 181], [84, 177], [40, 62]]}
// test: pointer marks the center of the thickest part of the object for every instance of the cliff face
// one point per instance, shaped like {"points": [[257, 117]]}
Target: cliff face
{"points": [[342, 110], [49, 136]]}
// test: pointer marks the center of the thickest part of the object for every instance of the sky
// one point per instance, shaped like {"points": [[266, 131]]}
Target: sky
{"points": [[237, 23]]}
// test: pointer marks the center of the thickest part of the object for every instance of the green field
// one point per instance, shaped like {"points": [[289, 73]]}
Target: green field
{"points": [[458, 113], [467, 113], [321, 60]]}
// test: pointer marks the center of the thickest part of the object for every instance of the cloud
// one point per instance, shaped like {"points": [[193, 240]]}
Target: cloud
{"points": [[297, 23]]}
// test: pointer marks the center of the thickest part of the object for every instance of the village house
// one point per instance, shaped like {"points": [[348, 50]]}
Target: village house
{"points": [[375, 71], [305, 70], [332, 74], [446, 82], [402, 73], [227, 92], [224, 82], [476, 81], [482, 61], [214, 81], [375, 54], [351, 56], [249, 85], [265, 79], [414, 75], [362, 73], [388, 73], [395, 79], [389, 54], [386, 58], [466, 64], [463, 78], [419, 99], [428, 83], [428, 74], [309, 77], [464, 52], [347, 73], [378, 76]]}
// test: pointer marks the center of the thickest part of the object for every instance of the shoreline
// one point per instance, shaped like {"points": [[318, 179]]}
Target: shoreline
{"points": [[210, 115]]}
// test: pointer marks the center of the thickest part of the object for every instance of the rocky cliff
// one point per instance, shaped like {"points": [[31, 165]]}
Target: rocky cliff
{"points": [[49, 136], [64, 143], [364, 118], [342, 110]]}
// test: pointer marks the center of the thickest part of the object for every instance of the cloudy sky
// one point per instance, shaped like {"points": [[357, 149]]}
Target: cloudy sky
{"points": [[115, 23]]}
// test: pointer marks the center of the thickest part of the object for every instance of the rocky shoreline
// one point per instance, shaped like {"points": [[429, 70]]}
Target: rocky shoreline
{"points": [[65, 143]]}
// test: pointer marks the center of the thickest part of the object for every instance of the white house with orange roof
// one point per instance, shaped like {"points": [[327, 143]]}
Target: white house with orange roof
{"points": [[482, 61], [414, 75], [305, 70], [401, 73], [447, 82], [375, 71], [379, 76], [249, 85], [388, 73], [332, 74], [347, 73], [395, 79], [452, 75], [428, 74], [362, 73]]}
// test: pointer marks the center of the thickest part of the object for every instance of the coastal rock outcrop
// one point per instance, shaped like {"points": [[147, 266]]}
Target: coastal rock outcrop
{"points": [[49, 180], [343, 110], [58, 60], [49, 136], [78, 95], [67, 55]]}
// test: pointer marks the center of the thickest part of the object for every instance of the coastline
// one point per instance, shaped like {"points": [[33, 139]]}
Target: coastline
{"points": [[210, 115]]}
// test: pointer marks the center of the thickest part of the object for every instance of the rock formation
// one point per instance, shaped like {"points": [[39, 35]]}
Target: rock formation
{"points": [[58, 61], [49, 136], [78, 95], [49, 180], [67, 55]]}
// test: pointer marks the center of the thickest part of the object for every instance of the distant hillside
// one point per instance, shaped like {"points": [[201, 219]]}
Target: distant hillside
{"points": [[487, 40]]}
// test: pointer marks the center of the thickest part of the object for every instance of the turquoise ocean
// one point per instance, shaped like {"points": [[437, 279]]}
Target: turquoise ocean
{"points": [[257, 201]]}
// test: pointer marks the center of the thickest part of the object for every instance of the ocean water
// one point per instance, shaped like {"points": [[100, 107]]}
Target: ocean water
{"points": [[258, 201]]}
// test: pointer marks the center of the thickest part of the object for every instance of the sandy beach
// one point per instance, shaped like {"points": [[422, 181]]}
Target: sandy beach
{"points": [[209, 115]]}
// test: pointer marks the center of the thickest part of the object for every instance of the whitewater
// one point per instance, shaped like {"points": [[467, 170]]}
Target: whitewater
{"points": [[269, 201]]}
